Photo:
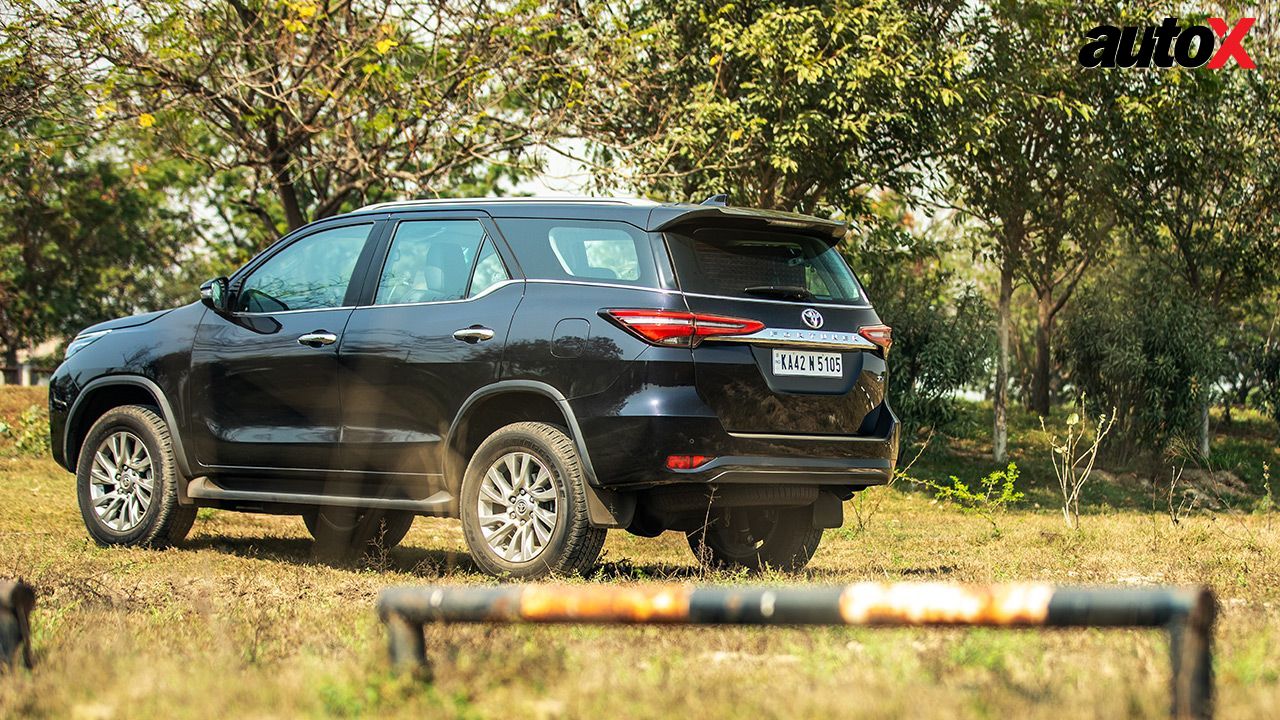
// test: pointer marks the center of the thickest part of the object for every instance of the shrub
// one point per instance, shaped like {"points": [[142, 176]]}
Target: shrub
{"points": [[1135, 340], [29, 435], [992, 495], [943, 334]]}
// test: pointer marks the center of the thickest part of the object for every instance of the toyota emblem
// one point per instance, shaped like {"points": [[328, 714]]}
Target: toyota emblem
{"points": [[812, 318]]}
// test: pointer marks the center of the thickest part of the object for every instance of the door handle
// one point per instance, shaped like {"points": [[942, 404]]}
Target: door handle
{"points": [[317, 338], [473, 334]]}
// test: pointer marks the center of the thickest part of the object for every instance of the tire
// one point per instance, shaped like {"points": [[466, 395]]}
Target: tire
{"points": [[554, 493], [127, 481], [757, 538], [341, 532]]}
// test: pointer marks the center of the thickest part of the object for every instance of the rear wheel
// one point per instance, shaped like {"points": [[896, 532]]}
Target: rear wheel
{"points": [[524, 506], [127, 481], [341, 531], [755, 538]]}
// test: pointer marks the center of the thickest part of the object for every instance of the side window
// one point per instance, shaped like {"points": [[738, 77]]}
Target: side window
{"points": [[429, 260], [595, 253], [489, 270], [601, 251], [309, 274]]}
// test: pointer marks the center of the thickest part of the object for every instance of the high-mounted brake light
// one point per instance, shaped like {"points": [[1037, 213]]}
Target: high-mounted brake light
{"points": [[679, 328], [881, 335]]}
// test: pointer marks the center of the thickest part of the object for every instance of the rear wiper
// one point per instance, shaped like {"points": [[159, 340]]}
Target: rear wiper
{"points": [[785, 292]]}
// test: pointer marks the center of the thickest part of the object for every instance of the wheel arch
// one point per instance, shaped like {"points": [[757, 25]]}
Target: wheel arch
{"points": [[105, 393], [482, 413]]}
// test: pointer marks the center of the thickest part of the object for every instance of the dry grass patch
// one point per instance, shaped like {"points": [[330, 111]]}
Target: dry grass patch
{"points": [[241, 622]]}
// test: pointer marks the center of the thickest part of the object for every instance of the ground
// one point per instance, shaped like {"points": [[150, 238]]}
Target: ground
{"points": [[240, 621]]}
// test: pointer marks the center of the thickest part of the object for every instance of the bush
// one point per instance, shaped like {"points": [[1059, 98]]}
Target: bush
{"points": [[991, 496], [1136, 340], [29, 435], [943, 333]]}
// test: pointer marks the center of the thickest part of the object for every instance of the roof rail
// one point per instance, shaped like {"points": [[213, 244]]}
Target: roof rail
{"points": [[505, 200]]}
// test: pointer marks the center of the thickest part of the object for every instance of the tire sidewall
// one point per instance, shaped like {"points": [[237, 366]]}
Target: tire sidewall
{"points": [[162, 480], [507, 440]]}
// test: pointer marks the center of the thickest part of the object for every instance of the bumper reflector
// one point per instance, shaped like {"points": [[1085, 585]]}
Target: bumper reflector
{"points": [[687, 462]]}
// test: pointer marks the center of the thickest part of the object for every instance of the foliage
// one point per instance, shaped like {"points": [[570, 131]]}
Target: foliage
{"points": [[29, 435], [941, 324], [84, 236], [1073, 461], [781, 105], [992, 495], [1269, 371], [1125, 346], [1028, 161], [300, 110]]}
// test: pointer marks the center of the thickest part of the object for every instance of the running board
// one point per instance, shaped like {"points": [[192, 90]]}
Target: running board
{"points": [[202, 488]]}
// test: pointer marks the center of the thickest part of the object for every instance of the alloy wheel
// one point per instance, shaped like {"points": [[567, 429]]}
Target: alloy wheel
{"points": [[121, 481], [518, 506]]}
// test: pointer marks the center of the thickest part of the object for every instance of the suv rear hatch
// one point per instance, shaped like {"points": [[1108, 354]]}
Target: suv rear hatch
{"points": [[818, 365]]}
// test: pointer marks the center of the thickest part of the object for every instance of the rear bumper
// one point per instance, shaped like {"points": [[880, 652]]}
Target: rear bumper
{"points": [[629, 451], [735, 469]]}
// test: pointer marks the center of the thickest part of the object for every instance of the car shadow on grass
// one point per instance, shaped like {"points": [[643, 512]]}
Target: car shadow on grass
{"points": [[423, 562]]}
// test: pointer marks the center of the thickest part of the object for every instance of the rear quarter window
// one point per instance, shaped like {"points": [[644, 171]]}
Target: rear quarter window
{"points": [[582, 250]]}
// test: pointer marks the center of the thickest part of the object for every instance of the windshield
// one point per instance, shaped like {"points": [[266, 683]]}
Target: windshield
{"points": [[765, 265]]}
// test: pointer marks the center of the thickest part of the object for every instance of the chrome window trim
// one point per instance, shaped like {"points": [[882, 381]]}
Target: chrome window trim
{"points": [[793, 337], [550, 281], [477, 296], [291, 312], [815, 303]]}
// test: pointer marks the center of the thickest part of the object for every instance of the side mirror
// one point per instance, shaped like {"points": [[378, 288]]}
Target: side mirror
{"points": [[214, 294]]}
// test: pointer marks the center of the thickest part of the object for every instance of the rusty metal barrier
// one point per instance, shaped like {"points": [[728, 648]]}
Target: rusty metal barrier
{"points": [[16, 601], [1186, 614]]}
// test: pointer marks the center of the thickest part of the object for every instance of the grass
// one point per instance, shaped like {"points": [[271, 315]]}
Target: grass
{"points": [[240, 621]]}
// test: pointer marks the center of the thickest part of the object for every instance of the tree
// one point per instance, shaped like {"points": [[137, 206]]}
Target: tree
{"points": [[941, 323], [83, 237], [300, 110], [1202, 191], [803, 107], [1030, 168]]}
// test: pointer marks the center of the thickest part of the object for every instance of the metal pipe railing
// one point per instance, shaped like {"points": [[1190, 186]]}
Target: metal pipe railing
{"points": [[16, 601], [1187, 614]]}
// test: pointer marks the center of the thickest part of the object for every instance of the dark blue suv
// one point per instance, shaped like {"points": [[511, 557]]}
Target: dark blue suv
{"points": [[542, 369]]}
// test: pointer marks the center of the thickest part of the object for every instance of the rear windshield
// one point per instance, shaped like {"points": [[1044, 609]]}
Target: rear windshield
{"points": [[765, 265], [592, 251]]}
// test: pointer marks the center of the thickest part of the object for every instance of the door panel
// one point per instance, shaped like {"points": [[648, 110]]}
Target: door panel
{"points": [[434, 335], [265, 387], [405, 376], [261, 398]]}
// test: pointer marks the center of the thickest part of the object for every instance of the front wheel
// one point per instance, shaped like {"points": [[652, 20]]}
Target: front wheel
{"points": [[127, 481], [755, 538], [524, 505]]}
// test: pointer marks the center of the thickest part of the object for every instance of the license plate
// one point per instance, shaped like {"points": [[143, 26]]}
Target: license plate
{"points": [[811, 364]]}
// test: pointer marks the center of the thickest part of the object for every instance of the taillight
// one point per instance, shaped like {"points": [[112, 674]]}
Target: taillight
{"points": [[881, 335], [676, 327]]}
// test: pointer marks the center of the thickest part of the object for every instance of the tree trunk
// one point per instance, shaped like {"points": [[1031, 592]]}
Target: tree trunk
{"points": [[7, 360], [1000, 433], [1204, 429], [287, 193], [1044, 329]]}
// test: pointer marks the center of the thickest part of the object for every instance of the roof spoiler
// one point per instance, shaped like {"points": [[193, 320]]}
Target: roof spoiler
{"points": [[669, 217]]}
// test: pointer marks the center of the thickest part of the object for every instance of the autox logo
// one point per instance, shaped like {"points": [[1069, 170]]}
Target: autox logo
{"points": [[1164, 45], [812, 318]]}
